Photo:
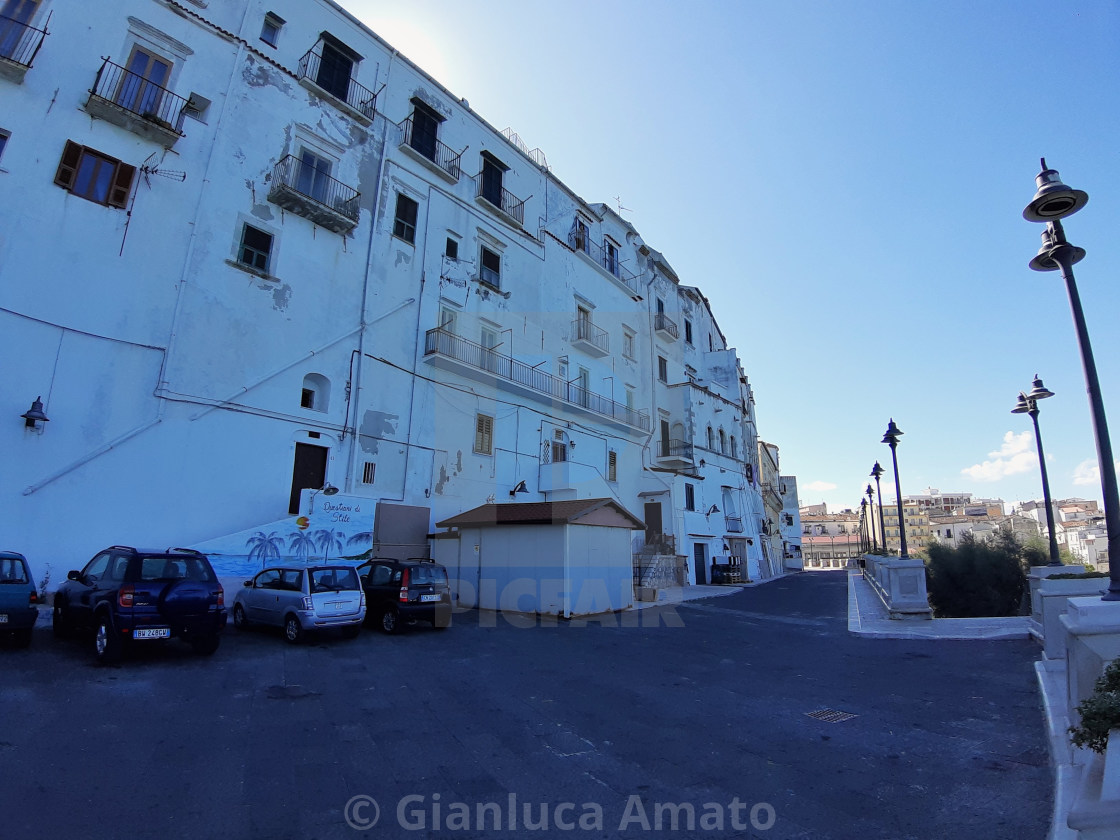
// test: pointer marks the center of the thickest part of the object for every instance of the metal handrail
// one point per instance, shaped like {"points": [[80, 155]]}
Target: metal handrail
{"points": [[438, 153], [584, 330], [507, 202], [315, 184], [581, 241], [664, 323], [139, 96], [674, 448], [358, 97], [440, 342], [19, 42]]}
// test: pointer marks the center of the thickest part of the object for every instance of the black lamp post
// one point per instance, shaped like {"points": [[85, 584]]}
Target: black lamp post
{"points": [[877, 471], [871, 495], [863, 541], [1028, 404], [891, 437], [1051, 203]]}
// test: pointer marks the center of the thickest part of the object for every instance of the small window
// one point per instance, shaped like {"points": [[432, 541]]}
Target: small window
{"points": [[689, 497], [662, 369], [711, 438], [722, 442], [256, 248], [404, 226], [628, 344], [484, 434], [734, 448], [580, 235], [316, 392], [307, 400], [94, 176], [4, 135], [368, 470], [270, 29], [612, 465], [610, 257], [687, 331], [451, 250], [448, 318], [491, 270]]}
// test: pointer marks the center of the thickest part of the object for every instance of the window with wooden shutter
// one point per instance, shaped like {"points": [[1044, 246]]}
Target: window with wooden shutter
{"points": [[484, 434], [612, 466], [122, 185], [68, 166], [94, 176]]}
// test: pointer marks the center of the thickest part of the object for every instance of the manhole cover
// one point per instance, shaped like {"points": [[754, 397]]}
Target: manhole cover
{"points": [[830, 715]]}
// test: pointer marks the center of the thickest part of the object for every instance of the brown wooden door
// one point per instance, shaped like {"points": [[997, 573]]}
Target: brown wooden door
{"points": [[653, 523], [309, 470]]}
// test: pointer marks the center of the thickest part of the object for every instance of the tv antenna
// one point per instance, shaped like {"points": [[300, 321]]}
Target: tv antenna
{"points": [[618, 201], [147, 169]]}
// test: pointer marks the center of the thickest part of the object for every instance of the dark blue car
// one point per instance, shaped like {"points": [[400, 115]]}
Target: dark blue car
{"points": [[19, 602]]}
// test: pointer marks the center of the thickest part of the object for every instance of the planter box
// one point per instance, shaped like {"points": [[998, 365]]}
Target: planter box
{"points": [[646, 593], [1095, 814], [1053, 597], [1035, 578]]}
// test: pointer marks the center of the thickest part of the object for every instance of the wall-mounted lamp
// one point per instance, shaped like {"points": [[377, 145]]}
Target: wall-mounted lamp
{"points": [[703, 462], [327, 489], [711, 510], [518, 488], [35, 415]]}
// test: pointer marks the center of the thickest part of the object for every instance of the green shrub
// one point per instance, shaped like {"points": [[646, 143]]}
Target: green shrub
{"points": [[976, 579], [1099, 712]]}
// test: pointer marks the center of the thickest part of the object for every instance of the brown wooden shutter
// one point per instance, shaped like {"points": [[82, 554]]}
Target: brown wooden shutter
{"points": [[484, 434], [122, 185], [68, 166]]}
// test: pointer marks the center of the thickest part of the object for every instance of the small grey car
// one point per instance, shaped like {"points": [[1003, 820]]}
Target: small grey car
{"points": [[302, 599]]}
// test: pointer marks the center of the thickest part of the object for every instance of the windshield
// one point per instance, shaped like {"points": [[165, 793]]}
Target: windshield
{"points": [[175, 568], [428, 573], [13, 570], [333, 579]]}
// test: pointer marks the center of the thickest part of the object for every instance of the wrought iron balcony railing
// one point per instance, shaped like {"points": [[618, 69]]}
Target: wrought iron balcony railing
{"points": [[674, 448], [584, 330], [581, 241], [329, 78], [734, 524], [439, 342], [501, 198], [314, 189], [139, 96], [19, 42], [665, 324], [426, 144]]}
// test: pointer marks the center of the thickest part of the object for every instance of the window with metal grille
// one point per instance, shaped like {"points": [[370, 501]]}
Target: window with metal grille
{"points": [[559, 447], [94, 176], [612, 465], [404, 226], [689, 497], [368, 469], [256, 248], [490, 271], [484, 434]]}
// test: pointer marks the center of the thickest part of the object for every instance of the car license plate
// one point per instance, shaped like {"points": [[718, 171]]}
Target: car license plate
{"points": [[3, 618], [429, 597], [152, 633]]}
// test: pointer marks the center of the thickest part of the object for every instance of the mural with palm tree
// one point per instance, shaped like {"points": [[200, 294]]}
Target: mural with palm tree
{"points": [[302, 544], [264, 547], [329, 542]]}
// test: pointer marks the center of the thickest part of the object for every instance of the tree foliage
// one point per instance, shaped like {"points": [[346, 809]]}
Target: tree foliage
{"points": [[1100, 711], [977, 578]]}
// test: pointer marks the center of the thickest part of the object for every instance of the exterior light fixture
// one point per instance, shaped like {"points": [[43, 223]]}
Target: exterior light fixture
{"points": [[35, 415], [1028, 404], [891, 437]]}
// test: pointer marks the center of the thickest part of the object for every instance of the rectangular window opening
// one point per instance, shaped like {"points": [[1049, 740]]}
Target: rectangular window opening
{"points": [[94, 176], [256, 248], [404, 225], [490, 271], [368, 470], [270, 29], [484, 434], [451, 250]]}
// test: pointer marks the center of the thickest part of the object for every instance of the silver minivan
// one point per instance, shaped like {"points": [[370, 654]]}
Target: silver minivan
{"points": [[301, 599]]}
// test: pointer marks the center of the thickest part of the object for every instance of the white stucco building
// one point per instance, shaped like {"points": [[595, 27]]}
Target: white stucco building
{"points": [[257, 252]]}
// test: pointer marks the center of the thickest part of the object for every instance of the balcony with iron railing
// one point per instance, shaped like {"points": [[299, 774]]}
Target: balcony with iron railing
{"points": [[327, 77], [734, 524], [665, 325], [580, 242], [310, 192], [427, 148], [501, 199], [675, 453], [138, 104], [19, 43], [593, 340], [450, 352]]}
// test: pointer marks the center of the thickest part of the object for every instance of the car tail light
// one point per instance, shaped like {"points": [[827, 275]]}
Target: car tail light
{"points": [[221, 596], [126, 595], [307, 604], [362, 602], [404, 586], [33, 599]]}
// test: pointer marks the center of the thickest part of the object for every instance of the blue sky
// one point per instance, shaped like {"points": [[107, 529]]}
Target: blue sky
{"points": [[845, 182]]}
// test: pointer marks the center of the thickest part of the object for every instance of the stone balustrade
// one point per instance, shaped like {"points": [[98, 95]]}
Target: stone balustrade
{"points": [[901, 584]]}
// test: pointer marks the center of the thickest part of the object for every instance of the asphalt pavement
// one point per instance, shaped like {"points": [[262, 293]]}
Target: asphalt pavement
{"points": [[754, 715]]}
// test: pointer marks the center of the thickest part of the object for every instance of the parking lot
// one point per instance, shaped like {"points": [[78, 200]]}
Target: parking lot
{"points": [[266, 739]]}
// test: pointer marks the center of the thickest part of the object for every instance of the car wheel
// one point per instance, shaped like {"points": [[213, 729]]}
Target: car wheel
{"points": [[60, 623], [240, 620], [106, 643], [206, 645], [293, 630], [390, 621], [23, 638]]}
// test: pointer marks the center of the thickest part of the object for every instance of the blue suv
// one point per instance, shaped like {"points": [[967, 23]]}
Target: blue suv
{"points": [[19, 602], [131, 596]]}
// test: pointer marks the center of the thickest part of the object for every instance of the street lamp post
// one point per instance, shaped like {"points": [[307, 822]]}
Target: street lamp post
{"points": [[891, 437], [863, 540], [1052, 202], [1028, 404], [877, 471], [871, 495]]}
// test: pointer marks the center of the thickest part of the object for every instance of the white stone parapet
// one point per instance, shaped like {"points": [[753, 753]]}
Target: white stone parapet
{"points": [[901, 584]]}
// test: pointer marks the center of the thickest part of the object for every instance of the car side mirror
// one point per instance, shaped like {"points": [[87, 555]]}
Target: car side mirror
{"points": [[248, 584], [73, 574]]}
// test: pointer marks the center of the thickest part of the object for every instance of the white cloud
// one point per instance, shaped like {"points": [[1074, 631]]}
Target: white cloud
{"points": [[820, 486], [1087, 472], [1015, 456]]}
